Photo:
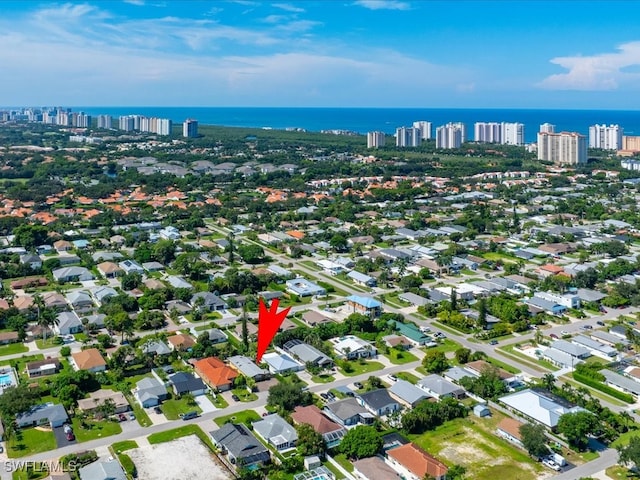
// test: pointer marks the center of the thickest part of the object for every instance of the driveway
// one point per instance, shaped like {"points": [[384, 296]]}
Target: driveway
{"points": [[205, 404], [61, 438]]}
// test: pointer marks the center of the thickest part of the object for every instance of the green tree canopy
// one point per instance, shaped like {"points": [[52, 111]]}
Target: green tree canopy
{"points": [[361, 442]]}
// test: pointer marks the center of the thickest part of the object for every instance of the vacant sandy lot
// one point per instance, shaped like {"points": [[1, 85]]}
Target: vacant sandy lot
{"points": [[181, 459]]}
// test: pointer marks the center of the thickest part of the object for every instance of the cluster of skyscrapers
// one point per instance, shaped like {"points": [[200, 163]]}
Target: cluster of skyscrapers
{"points": [[140, 123], [51, 116]]}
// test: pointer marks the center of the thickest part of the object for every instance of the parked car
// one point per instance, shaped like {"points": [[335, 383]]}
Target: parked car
{"points": [[600, 322], [493, 342], [564, 332], [189, 415], [393, 378], [70, 436], [324, 395], [235, 398], [132, 416], [157, 410], [551, 464], [358, 385], [553, 335], [122, 417]]}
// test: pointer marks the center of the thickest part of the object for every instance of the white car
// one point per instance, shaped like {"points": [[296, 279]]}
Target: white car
{"points": [[564, 332], [393, 378], [551, 464]]}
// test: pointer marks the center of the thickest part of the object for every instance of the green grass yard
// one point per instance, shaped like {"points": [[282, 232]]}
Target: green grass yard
{"points": [[13, 349], [324, 378], [400, 358], [185, 431], [174, 407], [246, 416], [123, 446], [359, 367], [30, 441], [244, 395], [409, 377], [92, 430], [472, 442]]}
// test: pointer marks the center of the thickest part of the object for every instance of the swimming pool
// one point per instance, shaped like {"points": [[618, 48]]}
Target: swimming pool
{"points": [[6, 379]]}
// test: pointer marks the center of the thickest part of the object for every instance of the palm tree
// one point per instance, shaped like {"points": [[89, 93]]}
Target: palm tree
{"points": [[46, 317], [548, 381], [626, 418]]}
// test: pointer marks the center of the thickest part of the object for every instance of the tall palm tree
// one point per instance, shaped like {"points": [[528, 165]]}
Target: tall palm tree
{"points": [[548, 381]]}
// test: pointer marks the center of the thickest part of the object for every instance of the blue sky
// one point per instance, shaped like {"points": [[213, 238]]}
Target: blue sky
{"points": [[352, 53]]}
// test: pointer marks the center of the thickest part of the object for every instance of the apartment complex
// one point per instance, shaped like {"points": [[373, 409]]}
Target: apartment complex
{"points": [[160, 126], [408, 137], [451, 135], [605, 137], [190, 128], [425, 129], [375, 139], [503, 133], [564, 148], [104, 121]]}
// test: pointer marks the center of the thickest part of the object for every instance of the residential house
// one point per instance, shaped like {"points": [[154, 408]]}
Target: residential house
{"points": [[149, 392], [304, 288], [362, 279], [153, 266], [280, 363], [131, 266], [412, 334], [55, 300], [621, 382], [181, 342], [378, 402], [216, 373], [71, 274], [413, 463], [107, 470], [210, 301], [95, 320], [348, 412], [438, 387], [274, 430], [541, 406], [9, 337], [80, 301], [178, 282], [352, 347], [185, 382], [101, 294], [537, 304], [509, 429], [50, 414], [33, 261], [89, 359], [62, 246], [413, 299], [28, 282], [365, 305], [216, 336], [576, 351], [240, 446], [109, 269], [40, 368], [313, 318], [407, 394], [155, 347], [596, 348], [331, 432], [248, 368], [100, 397], [68, 324], [307, 354], [374, 468]]}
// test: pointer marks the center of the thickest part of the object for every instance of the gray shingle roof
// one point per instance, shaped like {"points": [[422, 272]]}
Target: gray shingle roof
{"points": [[238, 440]]}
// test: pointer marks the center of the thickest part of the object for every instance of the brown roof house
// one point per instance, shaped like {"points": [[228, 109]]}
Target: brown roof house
{"points": [[89, 359], [509, 429], [109, 269], [312, 415], [100, 397], [181, 342], [413, 463], [216, 373]]}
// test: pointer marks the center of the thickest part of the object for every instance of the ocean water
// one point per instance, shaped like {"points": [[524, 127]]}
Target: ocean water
{"points": [[363, 120]]}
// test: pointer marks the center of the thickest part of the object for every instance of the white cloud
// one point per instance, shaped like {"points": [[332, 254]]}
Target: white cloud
{"points": [[383, 4], [138, 3], [288, 7], [604, 71]]}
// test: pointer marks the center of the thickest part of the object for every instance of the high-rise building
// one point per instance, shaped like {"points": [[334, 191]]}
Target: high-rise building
{"points": [[425, 129], [375, 139], [449, 136], [487, 132], [104, 121], [80, 120], [126, 123], [163, 126], [605, 137], [512, 133], [631, 143], [408, 137], [190, 128], [63, 118], [547, 128], [564, 148]]}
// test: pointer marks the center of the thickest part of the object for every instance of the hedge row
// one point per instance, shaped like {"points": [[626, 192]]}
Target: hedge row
{"points": [[625, 397]]}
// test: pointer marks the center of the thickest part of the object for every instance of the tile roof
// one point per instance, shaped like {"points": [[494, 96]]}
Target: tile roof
{"points": [[417, 461]]}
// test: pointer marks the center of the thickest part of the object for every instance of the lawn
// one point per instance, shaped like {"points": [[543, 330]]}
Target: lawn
{"points": [[471, 442], [174, 407], [35, 471], [30, 441], [123, 446], [218, 401], [184, 431], [13, 349], [400, 358], [344, 462], [503, 366], [616, 472], [409, 377], [246, 416], [91, 430], [20, 364], [244, 395], [50, 342], [539, 365], [359, 367], [324, 378], [141, 416], [446, 346]]}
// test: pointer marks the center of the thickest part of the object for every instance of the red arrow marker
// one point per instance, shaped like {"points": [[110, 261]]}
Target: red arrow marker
{"points": [[269, 322]]}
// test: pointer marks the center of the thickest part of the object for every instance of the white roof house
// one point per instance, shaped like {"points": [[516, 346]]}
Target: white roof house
{"points": [[281, 363], [541, 407]]}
